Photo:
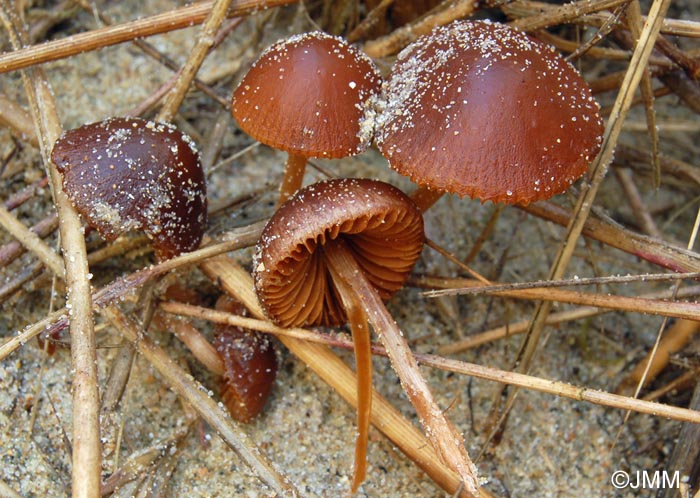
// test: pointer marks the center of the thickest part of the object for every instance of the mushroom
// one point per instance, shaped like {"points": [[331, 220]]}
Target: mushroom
{"points": [[244, 360], [331, 254], [479, 109], [250, 365], [308, 95], [128, 173]]}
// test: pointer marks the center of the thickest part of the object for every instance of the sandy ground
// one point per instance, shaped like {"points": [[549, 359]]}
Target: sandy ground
{"points": [[551, 447]]}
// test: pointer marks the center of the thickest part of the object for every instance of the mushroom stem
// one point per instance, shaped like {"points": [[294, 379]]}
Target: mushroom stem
{"points": [[293, 176], [363, 364], [442, 434], [424, 198]]}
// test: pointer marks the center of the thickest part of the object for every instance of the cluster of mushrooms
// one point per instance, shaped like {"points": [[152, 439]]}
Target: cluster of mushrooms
{"points": [[473, 108]]}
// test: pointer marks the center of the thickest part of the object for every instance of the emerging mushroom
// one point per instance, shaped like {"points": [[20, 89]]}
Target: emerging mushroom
{"points": [[479, 109], [308, 95], [244, 360], [128, 173], [250, 365], [330, 254]]}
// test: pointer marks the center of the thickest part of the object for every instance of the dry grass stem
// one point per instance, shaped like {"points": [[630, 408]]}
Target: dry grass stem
{"points": [[399, 38], [526, 9], [554, 15], [118, 289], [505, 331], [598, 170], [672, 341], [485, 286], [643, 68], [87, 448], [205, 40], [687, 310], [655, 251], [183, 384], [634, 23], [32, 242], [684, 381], [464, 368], [238, 282], [183, 17], [15, 117]]}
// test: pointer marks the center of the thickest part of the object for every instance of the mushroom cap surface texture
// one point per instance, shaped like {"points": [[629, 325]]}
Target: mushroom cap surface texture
{"points": [[481, 110], [123, 174], [379, 224], [250, 365], [309, 95]]}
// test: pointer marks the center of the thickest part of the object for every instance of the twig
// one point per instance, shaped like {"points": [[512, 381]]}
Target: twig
{"points": [[166, 61], [563, 316], [87, 453], [15, 117], [401, 37], [599, 168], [237, 282], [57, 321], [562, 14], [172, 20], [12, 250], [639, 209], [205, 40], [684, 381], [675, 338], [180, 382], [548, 284], [31, 241], [527, 8], [482, 372], [634, 22], [687, 310], [655, 251]]}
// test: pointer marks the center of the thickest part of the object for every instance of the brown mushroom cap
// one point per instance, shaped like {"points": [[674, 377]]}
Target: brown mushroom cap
{"points": [[127, 173], [307, 95], [378, 222], [479, 109], [250, 365]]}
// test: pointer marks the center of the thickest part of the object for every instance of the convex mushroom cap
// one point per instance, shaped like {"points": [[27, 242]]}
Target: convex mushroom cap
{"points": [[478, 109], [307, 95], [250, 365], [378, 222], [123, 174]]}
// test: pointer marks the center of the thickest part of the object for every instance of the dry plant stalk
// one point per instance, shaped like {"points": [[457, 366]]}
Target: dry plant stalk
{"points": [[172, 20], [661, 307], [598, 170], [180, 382], [87, 449], [464, 368], [120, 288], [520, 327], [237, 282], [527, 9], [657, 251], [673, 340], [205, 40], [399, 38]]}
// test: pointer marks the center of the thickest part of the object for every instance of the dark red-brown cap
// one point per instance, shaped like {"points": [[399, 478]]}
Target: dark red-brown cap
{"points": [[479, 109], [379, 223], [309, 95], [128, 173], [250, 365]]}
